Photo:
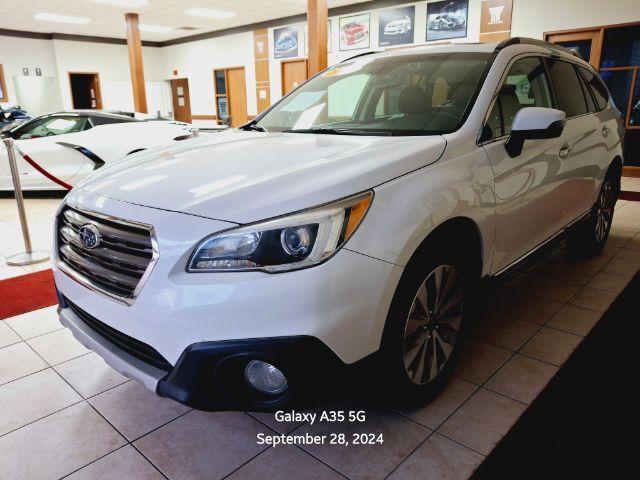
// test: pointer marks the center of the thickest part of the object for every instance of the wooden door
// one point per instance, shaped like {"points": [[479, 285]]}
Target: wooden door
{"points": [[294, 73], [85, 90], [181, 101], [237, 95], [587, 43], [94, 91]]}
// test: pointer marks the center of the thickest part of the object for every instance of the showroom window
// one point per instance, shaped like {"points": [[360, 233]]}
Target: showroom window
{"points": [[526, 85], [569, 92]]}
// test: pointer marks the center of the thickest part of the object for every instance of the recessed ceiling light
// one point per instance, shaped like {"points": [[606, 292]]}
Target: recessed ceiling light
{"points": [[154, 28], [53, 17], [124, 3], [208, 13]]}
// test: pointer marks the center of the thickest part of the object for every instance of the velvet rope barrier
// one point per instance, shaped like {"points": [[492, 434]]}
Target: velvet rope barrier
{"points": [[31, 162]]}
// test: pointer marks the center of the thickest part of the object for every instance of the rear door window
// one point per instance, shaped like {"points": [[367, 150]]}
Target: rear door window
{"points": [[569, 92], [597, 88]]}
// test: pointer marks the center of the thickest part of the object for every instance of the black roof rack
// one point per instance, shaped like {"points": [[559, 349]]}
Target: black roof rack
{"points": [[362, 55], [532, 41]]}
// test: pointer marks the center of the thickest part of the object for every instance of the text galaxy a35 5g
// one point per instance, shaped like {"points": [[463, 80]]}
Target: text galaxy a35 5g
{"points": [[349, 226]]}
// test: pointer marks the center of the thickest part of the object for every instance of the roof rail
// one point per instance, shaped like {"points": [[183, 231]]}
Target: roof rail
{"points": [[362, 55], [532, 41]]}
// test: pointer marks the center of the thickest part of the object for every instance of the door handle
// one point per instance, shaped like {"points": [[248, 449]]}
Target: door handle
{"points": [[605, 130], [565, 150]]}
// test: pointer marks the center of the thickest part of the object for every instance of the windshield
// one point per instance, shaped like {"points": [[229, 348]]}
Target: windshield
{"points": [[422, 94]]}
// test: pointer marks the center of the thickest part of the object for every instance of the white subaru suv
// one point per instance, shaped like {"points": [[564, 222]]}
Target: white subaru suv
{"points": [[348, 226]]}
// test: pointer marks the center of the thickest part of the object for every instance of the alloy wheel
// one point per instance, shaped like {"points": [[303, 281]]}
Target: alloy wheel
{"points": [[604, 210], [433, 325]]}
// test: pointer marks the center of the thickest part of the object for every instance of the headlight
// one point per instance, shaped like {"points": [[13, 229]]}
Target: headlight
{"points": [[287, 243]]}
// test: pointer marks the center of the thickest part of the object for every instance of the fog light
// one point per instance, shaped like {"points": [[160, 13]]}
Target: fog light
{"points": [[265, 378]]}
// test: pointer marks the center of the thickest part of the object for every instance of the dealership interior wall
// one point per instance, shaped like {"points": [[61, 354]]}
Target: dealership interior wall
{"points": [[195, 59]]}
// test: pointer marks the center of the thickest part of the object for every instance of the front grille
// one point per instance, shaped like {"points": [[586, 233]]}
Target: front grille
{"points": [[117, 264], [130, 345]]}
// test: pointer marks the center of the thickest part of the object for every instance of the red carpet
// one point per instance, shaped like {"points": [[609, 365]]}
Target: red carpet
{"points": [[633, 196], [26, 293]]}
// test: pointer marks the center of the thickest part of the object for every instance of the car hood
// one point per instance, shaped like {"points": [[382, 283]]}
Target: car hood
{"points": [[243, 177]]}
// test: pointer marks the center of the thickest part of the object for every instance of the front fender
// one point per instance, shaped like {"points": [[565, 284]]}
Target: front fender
{"points": [[406, 210]]}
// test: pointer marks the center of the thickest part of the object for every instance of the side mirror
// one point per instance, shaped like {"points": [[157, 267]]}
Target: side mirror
{"points": [[534, 123]]}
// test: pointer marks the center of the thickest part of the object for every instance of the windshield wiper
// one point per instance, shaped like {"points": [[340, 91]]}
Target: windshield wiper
{"points": [[254, 127], [339, 131]]}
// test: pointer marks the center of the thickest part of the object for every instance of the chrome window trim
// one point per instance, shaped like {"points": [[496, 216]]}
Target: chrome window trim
{"points": [[88, 283]]}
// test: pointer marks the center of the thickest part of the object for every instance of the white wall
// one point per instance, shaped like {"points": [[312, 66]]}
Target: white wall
{"points": [[533, 18], [16, 53], [197, 60]]}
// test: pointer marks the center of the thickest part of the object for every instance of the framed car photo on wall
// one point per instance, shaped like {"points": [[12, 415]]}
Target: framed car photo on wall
{"points": [[447, 19], [285, 42], [395, 26], [354, 32]]}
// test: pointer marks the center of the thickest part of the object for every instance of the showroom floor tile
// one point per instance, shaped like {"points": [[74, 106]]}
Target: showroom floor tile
{"points": [[65, 413]]}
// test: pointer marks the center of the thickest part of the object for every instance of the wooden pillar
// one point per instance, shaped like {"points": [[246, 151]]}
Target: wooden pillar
{"points": [[317, 26], [261, 55], [134, 44]]}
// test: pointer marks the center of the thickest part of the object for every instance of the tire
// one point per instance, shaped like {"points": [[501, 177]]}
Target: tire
{"points": [[425, 332], [589, 238]]}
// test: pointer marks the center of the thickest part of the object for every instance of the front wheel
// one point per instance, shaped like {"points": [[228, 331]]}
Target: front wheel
{"points": [[427, 325]]}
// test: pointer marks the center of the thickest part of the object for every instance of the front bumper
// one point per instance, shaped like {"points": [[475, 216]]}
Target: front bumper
{"points": [[210, 375]]}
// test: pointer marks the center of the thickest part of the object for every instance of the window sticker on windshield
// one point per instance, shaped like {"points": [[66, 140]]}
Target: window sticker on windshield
{"points": [[343, 70], [302, 101]]}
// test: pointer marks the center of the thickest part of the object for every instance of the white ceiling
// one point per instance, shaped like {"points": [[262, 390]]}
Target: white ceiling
{"points": [[108, 20]]}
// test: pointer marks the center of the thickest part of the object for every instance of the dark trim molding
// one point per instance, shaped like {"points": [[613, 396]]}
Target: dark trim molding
{"points": [[72, 38], [333, 12]]}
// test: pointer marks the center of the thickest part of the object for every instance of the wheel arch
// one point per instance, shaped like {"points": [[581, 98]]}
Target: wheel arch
{"points": [[457, 232]]}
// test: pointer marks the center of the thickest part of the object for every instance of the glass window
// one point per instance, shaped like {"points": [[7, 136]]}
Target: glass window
{"points": [[401, 94], [99, 120], [621, 47], [581, 47], [597, 88], [526, 85], [571, 97], [634, 116], [51, 126], [619, 84], [591, 105], [221, 83]]}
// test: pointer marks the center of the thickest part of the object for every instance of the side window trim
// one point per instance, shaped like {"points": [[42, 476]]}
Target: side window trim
{"points": [[543, 60], [596, 75], [553, 87]]}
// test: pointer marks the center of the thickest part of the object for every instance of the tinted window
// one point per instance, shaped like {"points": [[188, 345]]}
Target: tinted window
{"points": [[51, 126], [591, 105], [569, 91], [597, 88], [526, 85], [109, 120]]}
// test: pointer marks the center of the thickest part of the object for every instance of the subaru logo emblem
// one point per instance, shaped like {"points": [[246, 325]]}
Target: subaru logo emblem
{"points": [[89, 236]]}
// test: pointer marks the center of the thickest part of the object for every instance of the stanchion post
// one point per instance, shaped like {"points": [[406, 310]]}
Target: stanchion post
{"points": [[27, 257]]}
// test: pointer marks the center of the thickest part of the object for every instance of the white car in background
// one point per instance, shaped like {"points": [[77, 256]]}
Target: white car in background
{"points": [[400, 26], [71, 145]]}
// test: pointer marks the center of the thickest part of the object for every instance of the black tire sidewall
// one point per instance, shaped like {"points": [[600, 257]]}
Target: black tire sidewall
{"points": [[402, 389]]}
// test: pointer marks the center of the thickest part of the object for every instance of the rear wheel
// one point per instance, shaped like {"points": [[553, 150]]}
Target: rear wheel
{"points": [[590, 238]]}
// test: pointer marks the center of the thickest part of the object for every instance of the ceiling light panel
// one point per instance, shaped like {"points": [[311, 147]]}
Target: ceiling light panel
{"points": [[209, 13], [54, 17], [124, 3]]}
